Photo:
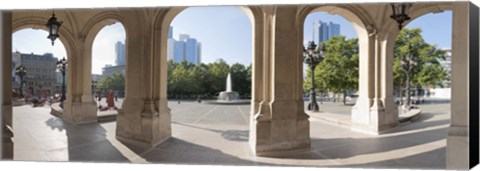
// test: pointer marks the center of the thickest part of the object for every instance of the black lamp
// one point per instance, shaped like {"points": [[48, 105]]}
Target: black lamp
{"points": [[53, 28], [400, 13]]}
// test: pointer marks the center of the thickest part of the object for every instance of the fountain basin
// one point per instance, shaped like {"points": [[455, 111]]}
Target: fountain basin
{"points": [[228, 96]]}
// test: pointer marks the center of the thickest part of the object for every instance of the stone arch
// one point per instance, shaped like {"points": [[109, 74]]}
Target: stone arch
{"points": [[95, 24], [162, 21], [363, 26], [90, 31], [417, 11], [360, 22], [38, 22]]}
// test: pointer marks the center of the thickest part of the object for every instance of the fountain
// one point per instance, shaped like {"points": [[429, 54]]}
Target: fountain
{"points": [[229, 96]]}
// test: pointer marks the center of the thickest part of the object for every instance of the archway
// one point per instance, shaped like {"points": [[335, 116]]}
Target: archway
{"points": [[336, 77], [108, 66], [41, 88]]}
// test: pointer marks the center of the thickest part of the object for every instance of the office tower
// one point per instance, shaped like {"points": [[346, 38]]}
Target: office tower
{"points": [[120, 53], [183, 37], [199, 51], [170, 32], [333, 29], [179, 51], [323, 31], [170, 49], [191, 51]]}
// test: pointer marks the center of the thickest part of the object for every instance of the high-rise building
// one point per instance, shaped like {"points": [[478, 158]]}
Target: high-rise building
{"points": [[170, 32], [120, 53], [191, 51], [183, 37], [170, 48], [199, 52], [333, 29], [185, 48], [179, 51], [323, 31]]}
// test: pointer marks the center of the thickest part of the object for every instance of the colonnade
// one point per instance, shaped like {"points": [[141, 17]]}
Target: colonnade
{"points": [[278, 122]]}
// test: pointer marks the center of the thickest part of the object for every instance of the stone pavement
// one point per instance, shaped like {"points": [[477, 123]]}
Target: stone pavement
{"points": [[218, 135]]}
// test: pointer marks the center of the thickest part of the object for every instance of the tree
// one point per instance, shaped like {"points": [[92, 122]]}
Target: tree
{"points": [[338, 72], [181, 79], [416, 63], [240, 80], [115, 82], [218, 72]]}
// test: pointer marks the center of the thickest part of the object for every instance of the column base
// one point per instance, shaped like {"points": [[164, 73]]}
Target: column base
{"points": [[373, 120], [139, 124], [79, 112], [279, 137], [457, 157], [7, 144]]}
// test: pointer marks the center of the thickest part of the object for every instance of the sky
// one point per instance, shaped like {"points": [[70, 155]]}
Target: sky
{"points": [[224, 32], [437, 28]]}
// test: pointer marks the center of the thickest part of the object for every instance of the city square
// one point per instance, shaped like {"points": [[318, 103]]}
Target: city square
{"points": [[327, 85], [209, 134]]}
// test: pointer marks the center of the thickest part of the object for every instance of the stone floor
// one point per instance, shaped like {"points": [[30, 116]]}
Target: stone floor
{"points": [[218, 135]]}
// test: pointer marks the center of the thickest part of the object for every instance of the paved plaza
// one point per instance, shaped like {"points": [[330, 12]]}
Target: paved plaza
{"points": [[218, 135]]}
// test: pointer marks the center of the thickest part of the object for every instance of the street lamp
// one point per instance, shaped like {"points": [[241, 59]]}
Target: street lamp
{"points": [[21, 71], [94, 84], [62, 66], [400, 13], [53, 27], [312, 57]]}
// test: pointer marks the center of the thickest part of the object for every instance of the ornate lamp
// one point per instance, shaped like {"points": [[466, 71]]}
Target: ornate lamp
{"points": [[312, 57], [62, 66], [53, 28], [21, 71], [400, 13]]}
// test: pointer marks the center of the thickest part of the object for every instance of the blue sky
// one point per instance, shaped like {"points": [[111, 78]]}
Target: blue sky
{"points": [[225, 32]]}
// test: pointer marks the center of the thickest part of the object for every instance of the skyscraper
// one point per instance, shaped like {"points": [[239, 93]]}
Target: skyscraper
{"points": [[120, 53], [199, 51], [191, 51], [323, 31], [170, 48], [170, 32], [179, 51], [183, 37], [333, 29], [185, 48]]}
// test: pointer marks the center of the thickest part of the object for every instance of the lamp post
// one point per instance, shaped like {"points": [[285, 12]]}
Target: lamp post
{"points": [[62, 66], [94, 84], [21, 71], [53, 27], [400, 13], [312, 57]]}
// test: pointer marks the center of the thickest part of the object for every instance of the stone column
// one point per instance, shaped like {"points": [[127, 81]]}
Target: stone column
{"points": [[375, 110], [144, 119], [458, 132], [360, 120], [281, 126], [6, 85], [79, 106]]}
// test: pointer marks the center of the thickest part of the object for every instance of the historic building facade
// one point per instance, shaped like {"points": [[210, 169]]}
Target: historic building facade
{"points": [[278, 123]]}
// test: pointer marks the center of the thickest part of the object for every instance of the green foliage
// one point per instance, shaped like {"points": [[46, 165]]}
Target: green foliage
{"points": [[338, 72], [241, 81], [418, 60], [115, 82], [186, 80]]}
